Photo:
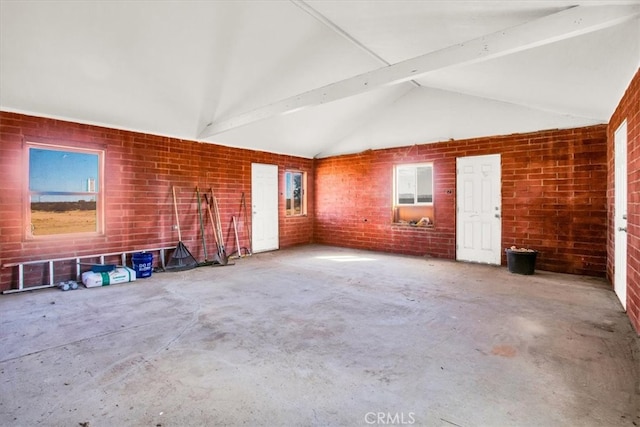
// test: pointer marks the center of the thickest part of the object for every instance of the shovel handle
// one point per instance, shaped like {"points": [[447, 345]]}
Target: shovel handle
{"points": [[175, 208]]}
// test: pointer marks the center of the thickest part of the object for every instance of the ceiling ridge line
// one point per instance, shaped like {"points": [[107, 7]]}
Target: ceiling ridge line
{"points": [[371, 116], [341, 32]]}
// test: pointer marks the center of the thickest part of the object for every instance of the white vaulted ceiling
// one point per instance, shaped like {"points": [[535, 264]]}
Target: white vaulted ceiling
{"points": [[317, 78]]}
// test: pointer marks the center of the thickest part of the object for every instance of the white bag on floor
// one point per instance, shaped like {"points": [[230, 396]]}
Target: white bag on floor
{"points": [[117, 275]]}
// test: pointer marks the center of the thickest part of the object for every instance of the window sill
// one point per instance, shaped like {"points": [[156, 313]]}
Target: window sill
{"points": [[408, 225], [63, 237]]}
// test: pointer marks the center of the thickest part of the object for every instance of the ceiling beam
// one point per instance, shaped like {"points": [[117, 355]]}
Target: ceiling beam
{"points": [[559, 26]]}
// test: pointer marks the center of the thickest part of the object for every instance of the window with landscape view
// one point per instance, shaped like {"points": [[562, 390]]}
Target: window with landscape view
{"points": [[64, 193], [295, 189], [413, 193]]}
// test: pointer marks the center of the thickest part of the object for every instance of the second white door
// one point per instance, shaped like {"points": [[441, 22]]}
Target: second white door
{"points": [[264, 204], [620, 217], [478, 213]]}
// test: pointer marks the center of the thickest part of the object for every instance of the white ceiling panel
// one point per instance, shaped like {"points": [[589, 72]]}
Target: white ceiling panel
{"points": [[400, 30], [426, 115], [174, 67], [305, 133], [563, 77]]}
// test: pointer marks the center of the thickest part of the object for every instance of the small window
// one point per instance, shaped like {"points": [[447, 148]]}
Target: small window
{"points": [[65, 190], [414, 184], [295, 193], [413, 194]]}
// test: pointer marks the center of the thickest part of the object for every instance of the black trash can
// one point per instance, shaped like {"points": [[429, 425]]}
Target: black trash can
{"points": [[521, 261]]}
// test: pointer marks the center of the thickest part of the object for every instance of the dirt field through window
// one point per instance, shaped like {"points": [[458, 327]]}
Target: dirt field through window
{"points": [[47, 223]]}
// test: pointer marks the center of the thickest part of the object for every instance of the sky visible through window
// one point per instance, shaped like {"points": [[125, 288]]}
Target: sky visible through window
{"points": [[62, 171]]}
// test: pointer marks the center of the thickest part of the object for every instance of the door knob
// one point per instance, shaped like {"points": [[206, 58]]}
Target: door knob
{"points": [[497, 215], [622, 229]]}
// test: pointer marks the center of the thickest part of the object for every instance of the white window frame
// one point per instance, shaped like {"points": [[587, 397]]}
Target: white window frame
{"points": [[396, 182], [99, 194], [288, 188]]}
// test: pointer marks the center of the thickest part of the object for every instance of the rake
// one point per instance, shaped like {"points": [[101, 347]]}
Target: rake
{"points": [[204, 240], [181, 259], [221, 256]]}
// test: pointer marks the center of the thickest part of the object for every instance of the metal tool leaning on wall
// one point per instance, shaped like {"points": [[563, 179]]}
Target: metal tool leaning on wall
{"points": [[204, 240], [221, 255], [181, 258]]}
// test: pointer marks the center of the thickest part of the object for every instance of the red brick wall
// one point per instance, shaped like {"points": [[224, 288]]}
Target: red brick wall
{"points": [[629, 109], [140, 170], [553, 197]]}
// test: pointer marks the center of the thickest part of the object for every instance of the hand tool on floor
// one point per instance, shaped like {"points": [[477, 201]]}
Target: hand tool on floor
{"points": [[181, 258], [221, 251], [235, 231], [243, 208], [204, 240], [221, 256]]}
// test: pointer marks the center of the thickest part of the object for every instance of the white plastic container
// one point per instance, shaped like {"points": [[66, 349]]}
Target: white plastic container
{"points": [[117, 275]]}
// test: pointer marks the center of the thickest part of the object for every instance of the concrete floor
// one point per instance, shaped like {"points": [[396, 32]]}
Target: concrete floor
{"points": [[321, 336]]}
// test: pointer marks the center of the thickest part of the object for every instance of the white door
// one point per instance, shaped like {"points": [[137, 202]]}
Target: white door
{"points": [[620, 218], [478, 213], [264, 202]]}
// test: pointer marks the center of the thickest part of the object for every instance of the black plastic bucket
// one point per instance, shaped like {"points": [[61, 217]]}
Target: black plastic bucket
{"points": [[521, 262], [142, 264]]}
